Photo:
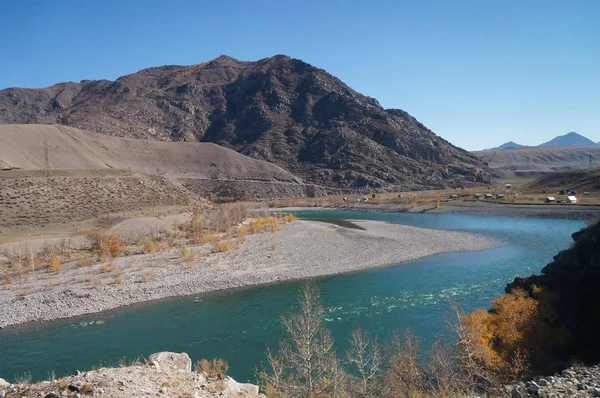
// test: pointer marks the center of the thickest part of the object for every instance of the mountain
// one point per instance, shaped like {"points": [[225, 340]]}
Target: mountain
{"points": [[277, 109], [570, 139], [545, 159], [510, 145]]}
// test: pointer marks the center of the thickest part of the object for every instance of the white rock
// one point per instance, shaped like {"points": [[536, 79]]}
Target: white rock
{"points": [[4, 383], [171, 361]]}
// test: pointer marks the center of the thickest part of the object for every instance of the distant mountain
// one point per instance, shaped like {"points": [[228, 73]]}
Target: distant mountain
{"points": [[570, 139], [277, 109], [510, 145]]}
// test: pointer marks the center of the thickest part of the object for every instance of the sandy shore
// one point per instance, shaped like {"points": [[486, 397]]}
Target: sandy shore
{"points": [[301, 249]]}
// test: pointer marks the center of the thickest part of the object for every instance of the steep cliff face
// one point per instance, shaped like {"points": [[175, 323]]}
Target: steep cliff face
{"points": [[278, 109], [574, 278]]}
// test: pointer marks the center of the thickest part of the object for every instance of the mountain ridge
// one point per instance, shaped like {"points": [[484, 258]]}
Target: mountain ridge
{"points": [[508, 145], [279, 109], [570, 139]]}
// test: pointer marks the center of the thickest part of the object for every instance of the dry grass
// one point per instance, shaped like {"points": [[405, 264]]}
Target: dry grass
{"points": [[221, 247], [118, 279], [55, 265], [242, 235], [217, 368], [149, 246], [84, 261], [107, 268]]}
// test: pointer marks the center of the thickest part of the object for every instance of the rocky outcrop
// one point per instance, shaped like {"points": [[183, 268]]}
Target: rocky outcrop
{"points": [[574, 279], [278, 109], [577, 382], [166, 374]]}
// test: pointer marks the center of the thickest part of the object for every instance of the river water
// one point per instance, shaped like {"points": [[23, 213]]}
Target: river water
{"points": [[237, 325]]}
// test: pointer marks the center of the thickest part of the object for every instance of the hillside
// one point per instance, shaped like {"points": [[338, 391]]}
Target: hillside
{"points": [[278, 109], [545, 159], [201, 167], [580, 180], [573, 277]]}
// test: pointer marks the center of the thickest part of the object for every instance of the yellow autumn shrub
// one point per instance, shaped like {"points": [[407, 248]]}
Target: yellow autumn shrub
{"points": [[517, 336]]}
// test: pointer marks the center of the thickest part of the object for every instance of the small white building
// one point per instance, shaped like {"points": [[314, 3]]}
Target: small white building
{"points": [[550, 199], [572, 199]]}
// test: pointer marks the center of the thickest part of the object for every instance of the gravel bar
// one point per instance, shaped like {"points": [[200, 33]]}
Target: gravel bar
{"points": [[301, 249]]}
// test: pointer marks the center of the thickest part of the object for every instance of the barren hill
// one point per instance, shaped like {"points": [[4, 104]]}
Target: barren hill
{"points": [[200, 167], [580, 180], [545, 159], [60, 176], [278, 109]]}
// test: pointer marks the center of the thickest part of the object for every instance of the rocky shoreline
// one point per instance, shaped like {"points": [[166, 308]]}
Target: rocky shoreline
{"points": [[164, 374], [575, 382], [302, 249]]}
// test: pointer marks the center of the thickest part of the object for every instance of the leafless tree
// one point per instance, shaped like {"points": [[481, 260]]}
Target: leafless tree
{"points": [[365, 355], [306, 365], [473, 374], [403, 377]]}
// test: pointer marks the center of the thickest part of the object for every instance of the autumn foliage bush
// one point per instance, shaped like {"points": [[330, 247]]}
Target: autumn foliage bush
{"points": [[114, 246], [516, 338]]}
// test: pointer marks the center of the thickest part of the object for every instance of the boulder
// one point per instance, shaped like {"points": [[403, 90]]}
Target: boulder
{"points": [[171, 361], [235, 389], [4, 383]]}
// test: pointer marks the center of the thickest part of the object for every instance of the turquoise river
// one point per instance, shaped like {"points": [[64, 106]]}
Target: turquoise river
{"points": [[237, 325]]}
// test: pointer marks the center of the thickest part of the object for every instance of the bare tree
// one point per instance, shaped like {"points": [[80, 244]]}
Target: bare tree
{"points": [[365, 355], [473, 373], [403, 377], [306, 365]]}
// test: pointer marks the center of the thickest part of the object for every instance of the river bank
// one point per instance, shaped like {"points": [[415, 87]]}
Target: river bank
{"points": [[298, 250], [478, 208]]}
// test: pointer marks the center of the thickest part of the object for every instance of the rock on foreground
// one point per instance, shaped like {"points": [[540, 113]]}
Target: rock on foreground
{"points": [[576, 382], [166, 374]]}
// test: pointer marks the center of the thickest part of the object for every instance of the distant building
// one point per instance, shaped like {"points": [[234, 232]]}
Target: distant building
{"points": [[507, 186], [453, 196], [489, 195], [572, 199], [550, 199], [500, 195]]}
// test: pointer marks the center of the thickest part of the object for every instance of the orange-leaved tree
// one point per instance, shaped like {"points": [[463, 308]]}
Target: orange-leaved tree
{"points": [[516, 337]]}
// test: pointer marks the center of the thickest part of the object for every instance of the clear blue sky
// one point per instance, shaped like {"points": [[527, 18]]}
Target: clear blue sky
{"points": [[477, 72]]}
